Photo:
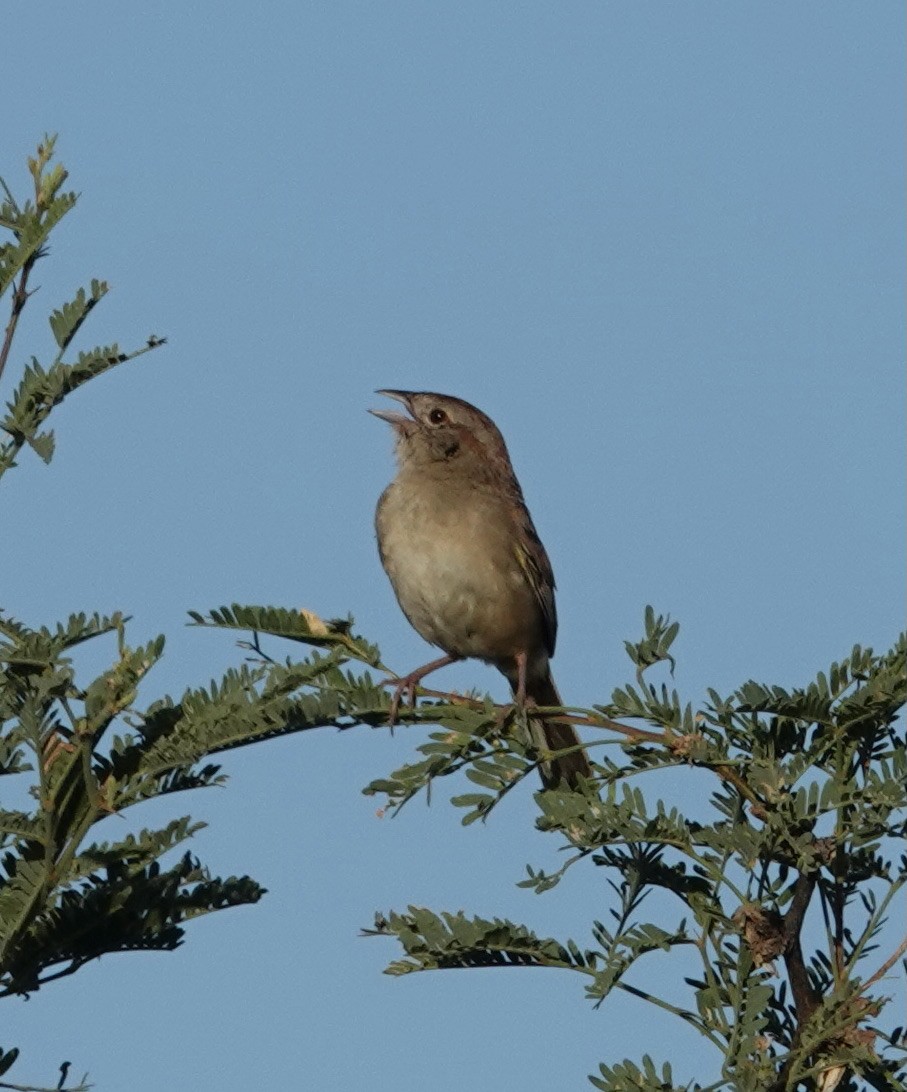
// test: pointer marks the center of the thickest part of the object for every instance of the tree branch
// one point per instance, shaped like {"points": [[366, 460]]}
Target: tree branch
{"points": [[20, 298]]}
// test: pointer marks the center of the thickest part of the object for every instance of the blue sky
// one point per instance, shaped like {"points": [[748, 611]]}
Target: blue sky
{"points": [[661, 244]]}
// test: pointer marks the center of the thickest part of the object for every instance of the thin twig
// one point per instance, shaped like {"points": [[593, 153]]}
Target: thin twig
{"points": [[886, 966], [20, 298], [80, 1087]]}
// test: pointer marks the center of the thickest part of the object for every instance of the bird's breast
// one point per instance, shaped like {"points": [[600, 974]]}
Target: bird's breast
{"points": [[451, 558]]}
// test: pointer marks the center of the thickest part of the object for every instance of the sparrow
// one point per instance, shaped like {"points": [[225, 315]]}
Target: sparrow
{"points": [[466, 563]]}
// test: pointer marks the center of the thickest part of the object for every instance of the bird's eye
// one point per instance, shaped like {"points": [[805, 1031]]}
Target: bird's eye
{"points": [[437, 417]]}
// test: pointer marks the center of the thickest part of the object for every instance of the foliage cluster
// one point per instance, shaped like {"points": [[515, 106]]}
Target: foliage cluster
{"points": [[808, 812]]}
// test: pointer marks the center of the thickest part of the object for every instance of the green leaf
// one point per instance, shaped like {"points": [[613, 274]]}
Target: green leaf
{"points": [[7, 1059], [661, 633], [65, 323], [292, 625], [433, 941]]}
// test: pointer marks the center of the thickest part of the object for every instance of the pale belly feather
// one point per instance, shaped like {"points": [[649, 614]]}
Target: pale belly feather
{"points": [[459, 583]]}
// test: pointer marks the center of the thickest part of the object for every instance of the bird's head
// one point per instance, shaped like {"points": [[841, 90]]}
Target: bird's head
{"points": [[441, 430]]}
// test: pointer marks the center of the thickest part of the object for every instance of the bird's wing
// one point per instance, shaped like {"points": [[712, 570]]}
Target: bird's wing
{"points": [[534, 562]]}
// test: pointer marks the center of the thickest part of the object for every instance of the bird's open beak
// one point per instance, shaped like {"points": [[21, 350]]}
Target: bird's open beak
{"points": [[400, 422]]}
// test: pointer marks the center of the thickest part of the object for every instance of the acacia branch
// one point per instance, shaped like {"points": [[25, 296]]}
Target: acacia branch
{"points": [[805, 1000], [20, 298]]}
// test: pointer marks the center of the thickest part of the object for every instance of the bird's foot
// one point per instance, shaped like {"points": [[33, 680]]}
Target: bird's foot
{"points": [[518, 710], [408, 684], [402, 688]]}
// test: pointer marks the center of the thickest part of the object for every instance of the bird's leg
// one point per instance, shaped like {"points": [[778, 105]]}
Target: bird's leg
{"points": [[518, 686], [407, 685], [519, 695]]}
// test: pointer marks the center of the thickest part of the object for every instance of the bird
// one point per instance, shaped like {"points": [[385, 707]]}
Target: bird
{"points": [[467, 566]]}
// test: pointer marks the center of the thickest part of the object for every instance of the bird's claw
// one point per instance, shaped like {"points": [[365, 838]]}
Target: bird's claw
{"points": [[408, 684], [404, 689]]}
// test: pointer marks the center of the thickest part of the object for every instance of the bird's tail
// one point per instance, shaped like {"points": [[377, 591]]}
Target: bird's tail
{"points": [[553, 736]]}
